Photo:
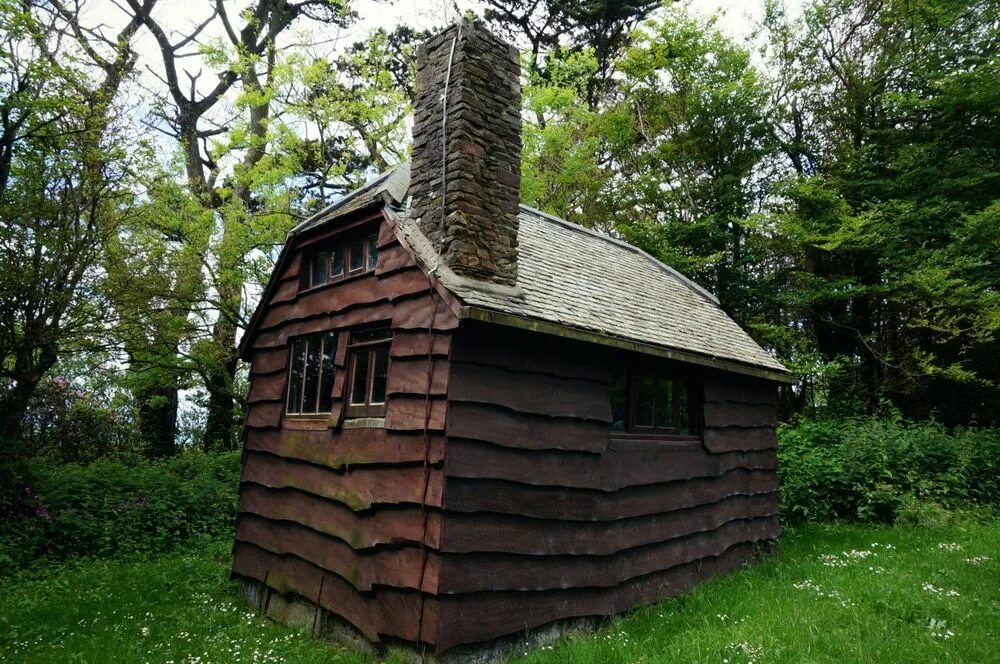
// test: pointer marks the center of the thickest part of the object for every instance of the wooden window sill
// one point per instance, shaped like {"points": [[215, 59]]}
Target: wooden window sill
{"points": [[363, 423]]}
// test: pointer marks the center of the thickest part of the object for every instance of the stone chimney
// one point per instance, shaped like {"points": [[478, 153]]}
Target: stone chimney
{"points": [[482, 151]]}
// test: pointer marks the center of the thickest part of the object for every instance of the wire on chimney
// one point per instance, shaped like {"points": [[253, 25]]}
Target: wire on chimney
{"points": [[444, 139]]}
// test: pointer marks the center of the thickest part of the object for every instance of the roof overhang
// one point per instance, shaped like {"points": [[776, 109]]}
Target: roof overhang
{"points": [[590, 336]]}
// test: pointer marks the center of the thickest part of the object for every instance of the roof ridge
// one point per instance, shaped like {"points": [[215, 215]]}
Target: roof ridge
{"points": [[625, 245], [368, 184]]}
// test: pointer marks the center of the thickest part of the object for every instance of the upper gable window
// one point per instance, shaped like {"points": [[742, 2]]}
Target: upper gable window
{"points": [[310, 374], [344, 259], [647, 401]]}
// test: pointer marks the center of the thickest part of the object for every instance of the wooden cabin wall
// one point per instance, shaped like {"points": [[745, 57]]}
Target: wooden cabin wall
{"points": [[547, 516], [345, 518]]}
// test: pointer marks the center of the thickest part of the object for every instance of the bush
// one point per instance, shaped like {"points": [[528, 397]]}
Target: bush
{"points": [[110, 506], [875, 469]]}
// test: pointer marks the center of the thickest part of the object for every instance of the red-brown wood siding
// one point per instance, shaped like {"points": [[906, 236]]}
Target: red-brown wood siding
{"points": [[546, 515], [347, 518]]}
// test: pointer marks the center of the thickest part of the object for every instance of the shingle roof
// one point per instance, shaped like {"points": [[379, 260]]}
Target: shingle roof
{"points": [[575, 278]]}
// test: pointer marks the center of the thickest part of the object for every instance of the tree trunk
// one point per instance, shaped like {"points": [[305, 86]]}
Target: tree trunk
{"points": [[158, 420]]}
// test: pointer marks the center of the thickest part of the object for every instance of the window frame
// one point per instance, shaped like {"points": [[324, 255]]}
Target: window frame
{"points": [[632, 373], [366, 241], [327, 338], [369, 408]]}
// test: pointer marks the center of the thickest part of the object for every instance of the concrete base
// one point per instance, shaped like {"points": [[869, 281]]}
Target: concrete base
{"points": [[300, 613]]}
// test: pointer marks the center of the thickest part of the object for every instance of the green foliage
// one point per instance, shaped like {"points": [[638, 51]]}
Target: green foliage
{"points": [[880, 469], [113, 507]]}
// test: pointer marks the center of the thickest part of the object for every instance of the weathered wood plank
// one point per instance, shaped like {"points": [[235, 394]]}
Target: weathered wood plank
{"points": [[392, 258], [730, 414], [406, 343], [358, 488], [484, 532], [348, 294], [543, 502], [410, 314], [410, 376], [397, 525], [624, 464], [293, 267], [387, 612], [267, 387], [730, 439], [349, 447], [535, 432], [399, 567], [475, 572], [518, 351], [269, 361], [468, 618], [413, 413], [540, 394], [287, 291], [265, 414]]}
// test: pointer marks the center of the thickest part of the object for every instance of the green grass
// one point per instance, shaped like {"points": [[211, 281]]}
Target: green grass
{"points": [[838, 593]]}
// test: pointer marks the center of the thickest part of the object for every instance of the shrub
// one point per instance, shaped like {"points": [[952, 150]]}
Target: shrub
{"points": [[870, 469], [112, 506]]}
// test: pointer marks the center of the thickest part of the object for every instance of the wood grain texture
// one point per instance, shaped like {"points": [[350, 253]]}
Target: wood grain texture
{"points": [[632, 463], [473, 617], [475, 572], [509, 428], [730, 414], [345, 295], [395, 525], [399, 567], [350, 447], [730, 439], [410, 343], [540, 394], [286, 291], [269, 387], [384, 613], [411, 413], [518, 351], [358, 488], [411, 375], [484, 532], [265, 414], [269, 361], [573, 504]]}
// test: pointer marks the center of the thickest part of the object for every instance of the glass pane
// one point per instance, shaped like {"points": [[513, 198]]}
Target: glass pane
{"points": [[684, 423], [645, 391], [372, 251], [619, 406], [357, 255], [665, 403], [337, 262], [319, 269], [295, 375], [312, 375], [380, 372], [326, 384], [359, 388], [368, 336]]}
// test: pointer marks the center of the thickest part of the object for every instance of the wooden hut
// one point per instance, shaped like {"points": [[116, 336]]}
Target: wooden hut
{"points": [[469, 418]]}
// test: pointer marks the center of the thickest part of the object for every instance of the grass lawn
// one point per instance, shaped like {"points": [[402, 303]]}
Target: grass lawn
{"points": [[838, 593]]}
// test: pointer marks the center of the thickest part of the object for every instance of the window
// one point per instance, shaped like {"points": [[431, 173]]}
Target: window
{"points": [[351, 258], [310, 374], [651, 402], [368, 361]]}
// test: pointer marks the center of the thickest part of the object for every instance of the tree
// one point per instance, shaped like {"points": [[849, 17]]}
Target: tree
{"points": [[66, 185]]}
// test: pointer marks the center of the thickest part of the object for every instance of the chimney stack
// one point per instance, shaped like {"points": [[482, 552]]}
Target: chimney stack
{"points": [[477, 150]]}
